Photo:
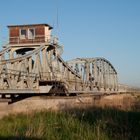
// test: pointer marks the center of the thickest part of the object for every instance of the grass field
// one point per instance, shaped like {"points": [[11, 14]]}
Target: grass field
{"points": [[74, 124]]}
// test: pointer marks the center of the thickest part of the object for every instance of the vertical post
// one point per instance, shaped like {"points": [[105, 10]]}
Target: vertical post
{"points": [[95, 74], [87, 70], [98, 74], [109, 77], [11, 55], [30, 64], [104, 75], [101, 74], [113, 80], [44, 60], [116, 82], [68, 75]]}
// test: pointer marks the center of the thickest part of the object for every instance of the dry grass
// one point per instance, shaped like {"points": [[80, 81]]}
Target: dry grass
{"points": [[80, 124]]}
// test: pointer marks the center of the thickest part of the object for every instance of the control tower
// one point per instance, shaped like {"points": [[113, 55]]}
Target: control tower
{"points": [[23, 38]]}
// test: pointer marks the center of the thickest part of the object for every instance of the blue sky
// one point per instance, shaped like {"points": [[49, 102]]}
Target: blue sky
{"points": [[86, 28]]}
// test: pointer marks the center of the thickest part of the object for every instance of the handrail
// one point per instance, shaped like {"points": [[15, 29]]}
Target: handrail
{"points": [[21, 57], [36, 39]]}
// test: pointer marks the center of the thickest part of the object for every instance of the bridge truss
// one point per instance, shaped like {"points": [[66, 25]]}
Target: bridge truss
{"points": [[96, 73], [39, 68]]}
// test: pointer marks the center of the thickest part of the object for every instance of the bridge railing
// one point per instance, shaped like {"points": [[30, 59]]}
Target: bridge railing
{"points": [[36, 39]]}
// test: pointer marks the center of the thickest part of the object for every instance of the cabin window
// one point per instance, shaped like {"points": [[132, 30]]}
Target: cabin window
{"points": [[31, 33], [23, 33]]}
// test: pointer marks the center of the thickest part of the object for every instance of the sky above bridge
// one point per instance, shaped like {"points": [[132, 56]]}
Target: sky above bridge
{"points": [[86, 28]]}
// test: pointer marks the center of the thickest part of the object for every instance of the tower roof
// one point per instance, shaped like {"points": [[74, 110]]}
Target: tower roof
{"points": [[26, 25]]}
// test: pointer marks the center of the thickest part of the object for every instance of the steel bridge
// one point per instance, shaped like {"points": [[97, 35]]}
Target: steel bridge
{"points": [[40, 69], [37, 68]]}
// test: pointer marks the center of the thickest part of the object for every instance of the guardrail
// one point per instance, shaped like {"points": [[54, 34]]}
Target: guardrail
{"points": [[36, 39]]}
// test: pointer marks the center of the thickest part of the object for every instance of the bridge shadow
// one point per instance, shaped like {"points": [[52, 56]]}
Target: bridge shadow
{"points": [[25, 96], [19, 98]]}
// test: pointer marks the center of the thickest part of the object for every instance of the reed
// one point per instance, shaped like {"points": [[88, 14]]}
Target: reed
{"points": [[73, 124]]}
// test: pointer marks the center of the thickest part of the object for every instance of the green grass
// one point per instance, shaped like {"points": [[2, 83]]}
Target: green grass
{"points": [[74, 124]]}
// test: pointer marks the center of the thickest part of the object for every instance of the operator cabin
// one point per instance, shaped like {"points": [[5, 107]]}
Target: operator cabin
{"points": [[29, 34]]}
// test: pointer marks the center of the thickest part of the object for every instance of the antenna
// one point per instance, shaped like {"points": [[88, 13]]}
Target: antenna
{"points": [[56, 23], [57, 18], [56, 39]]}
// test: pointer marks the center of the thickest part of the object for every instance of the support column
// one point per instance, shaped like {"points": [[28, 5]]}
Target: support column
{"points": [[104, 75], [107, 75], [101, 74], [117, 82], [11, 54], [30, 64], [98, 74], [44, 61], [95, 74], [116, 85], [110, 77], [87, 68], [113, 81]]}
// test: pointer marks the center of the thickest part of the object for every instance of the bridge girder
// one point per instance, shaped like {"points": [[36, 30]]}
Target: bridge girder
{"points": [[99, 72], [40, 69]]}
